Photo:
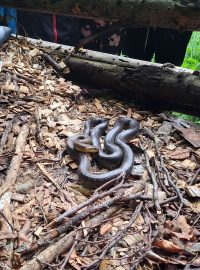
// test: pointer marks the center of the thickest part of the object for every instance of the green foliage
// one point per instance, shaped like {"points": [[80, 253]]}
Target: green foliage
{"points": [[187, 117], [192, 61], [192, 57]]}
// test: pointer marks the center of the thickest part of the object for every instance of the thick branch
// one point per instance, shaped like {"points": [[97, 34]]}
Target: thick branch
{"points": [[165, 86], [169, 87], [179, 14]]}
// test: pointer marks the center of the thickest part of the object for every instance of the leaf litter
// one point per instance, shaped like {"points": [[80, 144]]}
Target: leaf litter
{"points": [[48, 220]]}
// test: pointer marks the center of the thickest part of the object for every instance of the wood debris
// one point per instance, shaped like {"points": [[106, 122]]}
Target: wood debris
{"points": [[48, 220]]}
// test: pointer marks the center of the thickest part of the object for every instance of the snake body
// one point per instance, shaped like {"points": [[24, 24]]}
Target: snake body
{"points": [[125, 129], [110, 157]]}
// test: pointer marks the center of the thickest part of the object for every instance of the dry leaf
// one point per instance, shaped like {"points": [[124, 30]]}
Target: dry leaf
{"points": [[24, 89], [182, 229], [34, 52], [98, 105], [167, 246], [105, 228], [148, 123], [165, 129], [171, 147], [39, 231], [73, 165], [188, 164], [133, 239], [62, 65], [181, 184], [191, 134], [150, 153], [180, 154], [193, 191], [104, 265]]}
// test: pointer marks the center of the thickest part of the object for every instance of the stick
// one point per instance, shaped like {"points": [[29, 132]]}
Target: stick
{"points": [[5, 134], [153, 179], [194, 177], [75, 220], [91, 200], [171, 182], [16, 160], [117, 237], [52, 252], [49, 254]]}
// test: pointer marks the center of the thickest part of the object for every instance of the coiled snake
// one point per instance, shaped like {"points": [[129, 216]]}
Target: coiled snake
{"points": [[117, 154]]}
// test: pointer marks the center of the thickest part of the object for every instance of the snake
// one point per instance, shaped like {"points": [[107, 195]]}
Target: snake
{"points": [[110, 157], [125, 129], [84, 144]]}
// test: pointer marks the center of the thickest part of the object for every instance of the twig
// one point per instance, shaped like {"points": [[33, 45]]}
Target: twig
{"points": [[42, 210], [162, 183], [117, 237], [194, 177], [48, 255], [7, 226], [86, 213], [38, 130], [50, 178], [18, 75], [3, 216], [41, 167], [171, 199], [99, 207], [49, 264], [91, 224], [91, 200], [171, 182], [16, 160], [111, 182], [151, 237], [70, 252], [52, 62], [5, 134], [153, 179]]}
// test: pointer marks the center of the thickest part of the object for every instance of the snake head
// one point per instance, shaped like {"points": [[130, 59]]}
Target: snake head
{"points": [[83, 143]]}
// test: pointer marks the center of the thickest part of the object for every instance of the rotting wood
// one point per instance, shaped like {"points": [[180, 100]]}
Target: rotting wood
{"points": [[16, 160], [172, 88], [164, 86], [179, 14], [7, 223]]}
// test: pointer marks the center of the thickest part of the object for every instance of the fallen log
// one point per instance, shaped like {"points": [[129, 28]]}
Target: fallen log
{"points": [[179, 14], [162, 85]]}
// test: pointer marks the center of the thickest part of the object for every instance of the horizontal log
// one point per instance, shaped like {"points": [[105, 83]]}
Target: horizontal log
{"points": [[177, 14], [166, 86]]}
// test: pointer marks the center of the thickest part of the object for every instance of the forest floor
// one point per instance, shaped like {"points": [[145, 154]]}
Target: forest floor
{"points": [[148, 220]]}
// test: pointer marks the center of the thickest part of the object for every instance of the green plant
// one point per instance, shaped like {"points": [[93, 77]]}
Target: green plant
{"points": [[192, 56], [192, 61]]}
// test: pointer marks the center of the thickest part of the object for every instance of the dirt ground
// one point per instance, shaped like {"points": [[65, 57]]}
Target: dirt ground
{"points": [[148, 220]]}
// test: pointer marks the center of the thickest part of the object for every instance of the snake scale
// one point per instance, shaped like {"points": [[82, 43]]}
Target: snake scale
{"points": [[117, 156]]}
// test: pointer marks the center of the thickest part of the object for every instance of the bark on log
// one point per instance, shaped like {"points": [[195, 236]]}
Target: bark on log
{"points": [[170, 88], [167, 88], [176, 14]]}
